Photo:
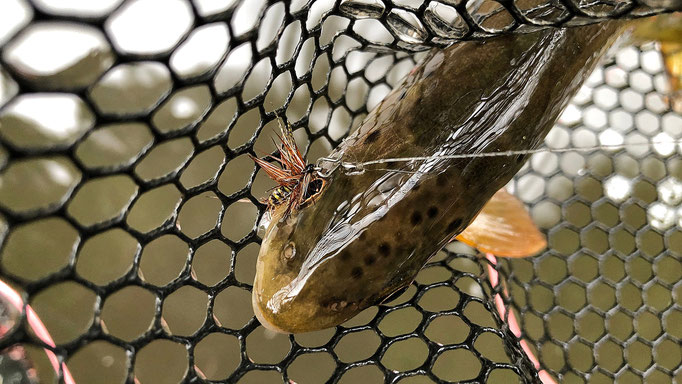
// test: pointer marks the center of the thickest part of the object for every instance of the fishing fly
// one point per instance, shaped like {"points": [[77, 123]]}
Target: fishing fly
{"points": [[298, 183]]}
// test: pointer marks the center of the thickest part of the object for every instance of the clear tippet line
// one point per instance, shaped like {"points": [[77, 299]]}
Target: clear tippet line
{"points": [[359, 167]]}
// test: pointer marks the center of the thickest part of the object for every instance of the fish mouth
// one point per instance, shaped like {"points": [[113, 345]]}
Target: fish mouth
{"points": [[292, 321], [281, 312], [277, 314]]}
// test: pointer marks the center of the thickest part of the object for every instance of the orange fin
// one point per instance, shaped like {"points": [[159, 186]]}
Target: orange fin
{"points": [[504, 228], [672, 58]]}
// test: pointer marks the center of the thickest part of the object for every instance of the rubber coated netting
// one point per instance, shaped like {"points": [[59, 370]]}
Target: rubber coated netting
{"points": [[128, 202]]}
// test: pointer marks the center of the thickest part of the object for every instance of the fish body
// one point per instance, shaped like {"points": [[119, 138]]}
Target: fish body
{"points": [[367, 235]]}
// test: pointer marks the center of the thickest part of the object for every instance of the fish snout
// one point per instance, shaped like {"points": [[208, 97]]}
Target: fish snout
{"points": [[285, 300], [287, 312]]}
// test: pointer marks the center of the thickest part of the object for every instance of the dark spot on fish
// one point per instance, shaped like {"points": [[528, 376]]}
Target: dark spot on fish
{"points": [[441, 180], [370, 259], [384, 249], [372, 137], [432, 212], [520, 158], [454, 224], [356, 273], [416, 218]]}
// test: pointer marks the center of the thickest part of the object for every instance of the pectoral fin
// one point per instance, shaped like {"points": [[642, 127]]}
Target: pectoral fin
{"points": [[504, 228]]}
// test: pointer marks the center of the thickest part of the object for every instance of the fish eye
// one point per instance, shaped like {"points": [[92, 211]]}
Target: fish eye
{"points": [[313, 189], [289, 251]]}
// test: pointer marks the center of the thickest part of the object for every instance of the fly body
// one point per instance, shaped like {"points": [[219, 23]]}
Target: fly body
{"points": [[279, 196], [298, 182]]}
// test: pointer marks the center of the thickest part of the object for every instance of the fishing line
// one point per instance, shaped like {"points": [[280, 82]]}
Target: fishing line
{"points": [[361, 167]]}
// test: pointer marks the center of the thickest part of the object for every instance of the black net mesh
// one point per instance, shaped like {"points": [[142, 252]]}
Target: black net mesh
{"points": [[128, 202]]}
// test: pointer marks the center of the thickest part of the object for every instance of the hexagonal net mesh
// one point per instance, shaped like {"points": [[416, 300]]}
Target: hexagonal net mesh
{"points": [[128, 201]]}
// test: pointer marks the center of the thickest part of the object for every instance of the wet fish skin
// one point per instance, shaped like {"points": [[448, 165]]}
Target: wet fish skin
{"points": [[368, 235]]}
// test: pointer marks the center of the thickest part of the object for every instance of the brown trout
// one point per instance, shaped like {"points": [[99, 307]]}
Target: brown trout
{"points": [[365, 235]]}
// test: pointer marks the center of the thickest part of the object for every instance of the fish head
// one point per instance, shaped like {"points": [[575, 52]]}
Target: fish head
{"points": [[303, 276], [348, 250]]}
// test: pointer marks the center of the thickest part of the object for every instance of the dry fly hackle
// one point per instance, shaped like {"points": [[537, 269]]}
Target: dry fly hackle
{"points": [[295, 178]]}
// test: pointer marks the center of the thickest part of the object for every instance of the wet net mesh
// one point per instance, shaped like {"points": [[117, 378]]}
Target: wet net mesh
{"points": [[129, 205]]}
